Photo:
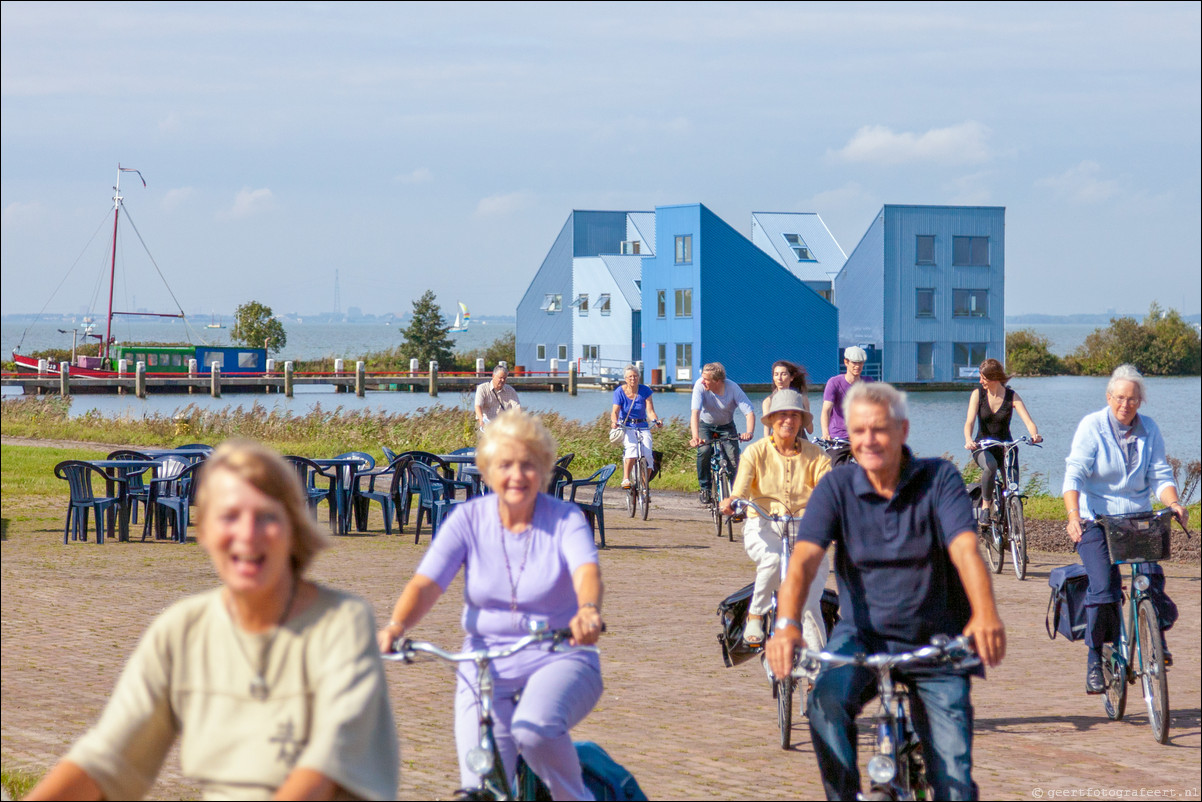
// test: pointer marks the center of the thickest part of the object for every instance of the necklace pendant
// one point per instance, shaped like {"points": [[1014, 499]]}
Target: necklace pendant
{"points": [[258, 689]]}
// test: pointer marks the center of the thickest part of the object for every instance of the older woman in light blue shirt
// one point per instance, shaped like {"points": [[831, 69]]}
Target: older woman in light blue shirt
{"points": [[1116, 465]]}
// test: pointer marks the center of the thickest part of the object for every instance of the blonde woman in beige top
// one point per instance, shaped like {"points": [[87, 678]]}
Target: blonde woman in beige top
{"points": [[273, 684], [777, 473]]}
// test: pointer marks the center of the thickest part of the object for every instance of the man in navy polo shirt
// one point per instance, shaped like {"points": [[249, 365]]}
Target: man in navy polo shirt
{"points": [[908, 569]]}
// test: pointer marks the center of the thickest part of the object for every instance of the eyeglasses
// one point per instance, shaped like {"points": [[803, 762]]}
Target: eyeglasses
{"points": [[1123, 401]]}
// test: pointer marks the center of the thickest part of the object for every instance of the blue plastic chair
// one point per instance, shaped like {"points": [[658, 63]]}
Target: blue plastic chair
{"points": [[176, 495], [137, 490], [78, 476], [390, 500], [436, 496], [308, 471], [593, 508]]}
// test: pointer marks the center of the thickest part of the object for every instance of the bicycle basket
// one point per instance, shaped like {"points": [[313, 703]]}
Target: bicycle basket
{"points": [[1136, 538]]}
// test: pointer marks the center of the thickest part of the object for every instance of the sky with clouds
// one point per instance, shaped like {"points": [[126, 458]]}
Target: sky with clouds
{"points": [[442, 146]]}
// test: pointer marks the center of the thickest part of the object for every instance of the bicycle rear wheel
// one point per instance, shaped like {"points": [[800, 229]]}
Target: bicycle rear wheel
{"points": [[1114, 675], [992, 549], [1017, 525], [1152, 670], [721, 491], [784, 710]]}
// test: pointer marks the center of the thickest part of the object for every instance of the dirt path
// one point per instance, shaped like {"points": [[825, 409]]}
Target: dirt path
{"points": [[688, 727]]}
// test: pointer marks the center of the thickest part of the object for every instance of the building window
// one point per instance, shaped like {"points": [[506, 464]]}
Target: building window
{"points": [[800, 250], [684, 362], [563, 352], [541, 351], [970, 303], [925, 364], [924, 247], [684, 249], [590, 351], [966, 358], [970, 251], [603, 304], [684, 303], [581, 304], [661, 303], [552, 302], [631, 247], [662, 358], [924, 302]]}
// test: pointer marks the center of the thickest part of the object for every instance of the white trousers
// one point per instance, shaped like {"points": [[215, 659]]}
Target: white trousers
{"points": [[636, 441], [762, 544]]}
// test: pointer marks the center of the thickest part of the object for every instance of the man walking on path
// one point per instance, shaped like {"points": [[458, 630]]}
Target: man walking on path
{"points": [[494, 397]]}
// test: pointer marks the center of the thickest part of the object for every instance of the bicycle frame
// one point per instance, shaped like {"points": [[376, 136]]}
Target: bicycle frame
{"points": [[640, 479], [896, 769], [722, 478], [484, 759], [1003, 526]]}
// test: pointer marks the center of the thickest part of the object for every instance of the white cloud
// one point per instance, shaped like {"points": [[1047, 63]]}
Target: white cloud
{"points": [[1081, 184], [421, 175], [171, 124], [177, 197], [957, 144], [21, 213], [971, 190], [250, 202], [500, 205]]}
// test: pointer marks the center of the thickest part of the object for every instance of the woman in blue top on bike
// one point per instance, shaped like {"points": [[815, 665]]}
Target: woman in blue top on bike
{"points": [[991, 407], [634, 409]]}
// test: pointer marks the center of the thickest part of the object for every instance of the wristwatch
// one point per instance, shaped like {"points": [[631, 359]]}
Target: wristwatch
{"points": [[783, 623]]}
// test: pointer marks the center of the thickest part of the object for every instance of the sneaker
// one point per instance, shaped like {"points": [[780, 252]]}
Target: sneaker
{"points": [[983, 516], [753, 633], [707, 498], [1094, 683]]}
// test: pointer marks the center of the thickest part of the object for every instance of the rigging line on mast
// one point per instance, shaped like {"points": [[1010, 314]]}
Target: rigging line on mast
{"points": [[153, 262], [74, 264]]}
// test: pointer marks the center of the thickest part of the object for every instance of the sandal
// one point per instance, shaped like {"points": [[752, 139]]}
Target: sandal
{"points": [[625, 484]]}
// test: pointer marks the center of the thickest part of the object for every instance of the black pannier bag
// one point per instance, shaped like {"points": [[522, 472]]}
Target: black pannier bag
{"points": [[1066, 607], [732, 616], [657, 462]]}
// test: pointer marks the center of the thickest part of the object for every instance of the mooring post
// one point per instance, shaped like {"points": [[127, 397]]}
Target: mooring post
{"points": [[413, 367], [191, 376], [140, 380], [288, 378], [480, 368], [267, 375], [339, 366], [122, 369], [572, 378], [215, 381], [64, 379], [433, 378], [360, 378]]}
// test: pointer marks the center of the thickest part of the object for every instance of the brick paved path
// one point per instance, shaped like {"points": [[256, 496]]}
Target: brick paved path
{"points": [[684, 724]]}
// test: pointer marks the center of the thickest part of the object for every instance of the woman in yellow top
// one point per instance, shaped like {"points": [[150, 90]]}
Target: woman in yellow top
{"points": [[778, 473], [272, 683]]}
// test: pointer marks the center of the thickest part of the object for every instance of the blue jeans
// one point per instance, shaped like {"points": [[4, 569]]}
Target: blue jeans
{"points": [[704, 477], [940, 708]]}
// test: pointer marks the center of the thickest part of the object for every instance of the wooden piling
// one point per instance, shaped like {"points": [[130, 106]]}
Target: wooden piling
{"points": [[572, 379], [215, 381], [64, 379], [360, 378], [288, 378], [140, 380], [433, 378]]}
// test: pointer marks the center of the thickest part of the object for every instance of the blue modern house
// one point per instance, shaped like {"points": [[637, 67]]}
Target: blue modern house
{"points": [[924, 291], [678, 288]]}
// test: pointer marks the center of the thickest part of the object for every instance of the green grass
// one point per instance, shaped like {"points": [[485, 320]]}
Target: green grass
{"points": [[18, 783]]}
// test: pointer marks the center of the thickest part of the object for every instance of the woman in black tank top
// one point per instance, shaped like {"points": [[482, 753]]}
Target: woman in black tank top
{"points": [[990, 407]]}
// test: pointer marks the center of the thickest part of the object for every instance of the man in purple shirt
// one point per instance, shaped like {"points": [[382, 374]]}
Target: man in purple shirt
{"points": [[833, 425]]}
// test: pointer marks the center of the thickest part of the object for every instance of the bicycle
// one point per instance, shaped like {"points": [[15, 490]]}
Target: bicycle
{"points": [[782, 689], [484, 759], [722, 477], [638, 495], [1007, 524], [1140, 654], [837, 449], [897, 769]]}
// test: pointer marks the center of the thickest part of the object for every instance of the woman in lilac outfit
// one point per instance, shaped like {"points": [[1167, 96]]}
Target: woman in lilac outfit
{"points": [[527, 556]]}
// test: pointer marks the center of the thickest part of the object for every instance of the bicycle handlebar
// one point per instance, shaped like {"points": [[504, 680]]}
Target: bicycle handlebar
{"points": [[723, 439], [739, 504], [405, 650], [1007, 444], [834, 442], [958, 651]]}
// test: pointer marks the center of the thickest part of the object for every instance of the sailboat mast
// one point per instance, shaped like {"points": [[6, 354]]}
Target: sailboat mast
{"points": [[108, 334]]}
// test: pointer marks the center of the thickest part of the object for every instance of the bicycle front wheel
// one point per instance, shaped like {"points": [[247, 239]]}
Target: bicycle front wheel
{"points": [[1017, 525], [784, 710], [991, 539], [721, 491], [644, 491], [1114, 675], [1152, 670]]}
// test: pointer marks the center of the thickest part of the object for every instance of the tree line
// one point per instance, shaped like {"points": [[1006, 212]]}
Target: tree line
{"points": [[1163, 344]]}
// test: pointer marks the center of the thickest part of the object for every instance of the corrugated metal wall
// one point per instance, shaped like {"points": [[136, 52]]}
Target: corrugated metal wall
{"points": [[860, 290], [610, 333], [535, 326], [661, 272]]}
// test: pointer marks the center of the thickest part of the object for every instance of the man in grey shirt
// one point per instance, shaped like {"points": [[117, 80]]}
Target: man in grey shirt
{"points": [[715, 399], [494, 397]]}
